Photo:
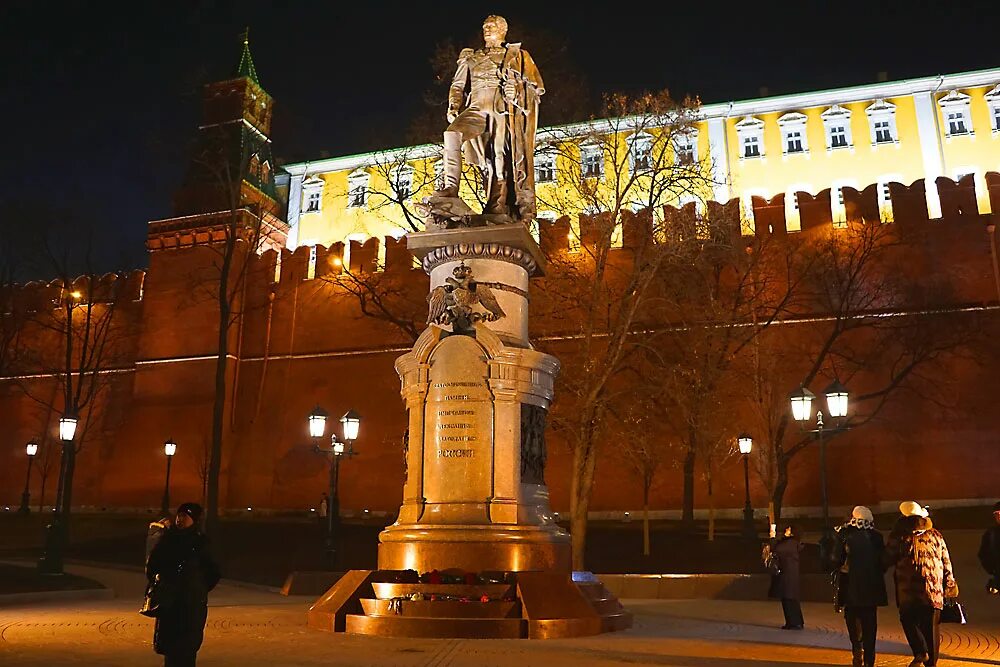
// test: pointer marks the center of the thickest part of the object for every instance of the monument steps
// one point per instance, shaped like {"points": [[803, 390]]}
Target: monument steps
{"points": [[442, 608], [438, 628]]}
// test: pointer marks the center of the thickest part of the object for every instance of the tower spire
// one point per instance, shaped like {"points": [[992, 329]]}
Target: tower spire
{"points": [[246, 68]]}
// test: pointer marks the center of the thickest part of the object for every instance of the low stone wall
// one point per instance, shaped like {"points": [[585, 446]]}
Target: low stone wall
{"points": [[815, 587]]}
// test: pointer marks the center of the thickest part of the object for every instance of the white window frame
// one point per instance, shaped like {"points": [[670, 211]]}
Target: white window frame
{"points": [[545, 163], [993, 102], [791, 123], [958, 105], [591, 151], [636, 141], [312, 192], [402, 174], [837, 117], [750, 128], [882, 111], [439, 174], [686, 141], [357, 184]]}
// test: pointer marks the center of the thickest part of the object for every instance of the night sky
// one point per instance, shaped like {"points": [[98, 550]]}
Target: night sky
{"points": [[101, 99]]}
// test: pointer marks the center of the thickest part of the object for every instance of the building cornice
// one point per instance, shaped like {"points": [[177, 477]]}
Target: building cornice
{"points": [[735, 109]]}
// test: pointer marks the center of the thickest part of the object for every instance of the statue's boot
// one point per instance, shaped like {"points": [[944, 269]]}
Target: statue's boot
{"points": [[497, 202], [452, 158]]}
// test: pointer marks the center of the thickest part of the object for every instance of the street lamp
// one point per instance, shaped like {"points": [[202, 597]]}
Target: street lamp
{"points": [[837, 404], [30, 449], [169, 448], [745, 443], [337, 449], [51, 561]]}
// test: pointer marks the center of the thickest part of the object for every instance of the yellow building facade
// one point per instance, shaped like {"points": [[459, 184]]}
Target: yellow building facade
{"points": [[895, 131]]}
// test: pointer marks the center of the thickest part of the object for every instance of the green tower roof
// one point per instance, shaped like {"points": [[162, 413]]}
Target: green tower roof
{"points": [[246, 68]]}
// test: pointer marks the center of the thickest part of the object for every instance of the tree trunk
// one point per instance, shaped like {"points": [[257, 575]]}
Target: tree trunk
{"points": [[645, 519], [779, 488], [584, 464], [711, 510], [687, 512], [219, 404]]}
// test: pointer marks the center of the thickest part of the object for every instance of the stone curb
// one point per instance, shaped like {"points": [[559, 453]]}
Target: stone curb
{"points": [[57, 596]]}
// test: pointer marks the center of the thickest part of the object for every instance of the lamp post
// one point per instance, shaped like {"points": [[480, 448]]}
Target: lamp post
{"points": [[30, 449], [169, 448], [745, 443], [51, 561], [337, 449], [836, 403]]}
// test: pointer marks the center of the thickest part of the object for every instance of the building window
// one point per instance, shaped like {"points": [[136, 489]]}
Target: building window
{"points": [[884, 193], [402, 181], [993, 102], [793, 133], [311, 266], [838, 207], [955, 109], [686, 147], [591, 161], [357, 189], [640, 152], [439, 175], [312, 195], [882, 122], [750, 132], [837, 122], [545, 167]]}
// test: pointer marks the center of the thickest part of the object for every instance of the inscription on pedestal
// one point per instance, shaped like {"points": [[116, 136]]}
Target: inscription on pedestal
{"points": [[458, 423]]}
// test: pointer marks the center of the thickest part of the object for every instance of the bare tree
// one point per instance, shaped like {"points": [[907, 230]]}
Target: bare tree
{"points": [[646, 449], [632, 161], [866, 315]]}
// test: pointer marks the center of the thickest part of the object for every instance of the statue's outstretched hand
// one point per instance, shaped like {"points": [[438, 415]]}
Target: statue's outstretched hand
{"points": [[452, 115]]}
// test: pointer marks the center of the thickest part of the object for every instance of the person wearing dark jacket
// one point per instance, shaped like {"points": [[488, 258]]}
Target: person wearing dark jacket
{"points": [[860, 582], [989, 552], [785, 582], [180, 556], [924, 578]]}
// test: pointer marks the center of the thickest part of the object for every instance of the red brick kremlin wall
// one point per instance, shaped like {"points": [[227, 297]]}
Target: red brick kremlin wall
{"points": [[300, 345]]}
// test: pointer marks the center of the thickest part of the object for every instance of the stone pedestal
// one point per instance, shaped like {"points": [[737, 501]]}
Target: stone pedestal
{"points": [[475, 505]]}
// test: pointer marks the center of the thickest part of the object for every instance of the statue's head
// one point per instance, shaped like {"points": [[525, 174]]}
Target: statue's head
{"points": [[461, 271], [494, 30]]}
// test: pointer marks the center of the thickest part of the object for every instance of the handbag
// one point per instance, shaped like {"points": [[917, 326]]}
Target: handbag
{"points": [[160, 596], [953, 612], [162, 593]]}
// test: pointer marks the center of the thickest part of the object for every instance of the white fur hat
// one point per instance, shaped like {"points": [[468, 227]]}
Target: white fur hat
{"points": [[911, 508], [863, 513]]}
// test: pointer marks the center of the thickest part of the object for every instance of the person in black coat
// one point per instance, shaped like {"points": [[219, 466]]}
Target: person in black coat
{"points": [[860, 582], [180, 556], [785, 582], [989, 552]]}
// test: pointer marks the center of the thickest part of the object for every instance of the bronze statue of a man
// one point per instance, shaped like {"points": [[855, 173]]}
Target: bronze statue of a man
{"points": [[493, 115]]}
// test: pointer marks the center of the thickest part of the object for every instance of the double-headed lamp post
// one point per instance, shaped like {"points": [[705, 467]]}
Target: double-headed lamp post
{"points": [[350, 426], [836, 403], [30, 449], [169, 448], [745, 443]]}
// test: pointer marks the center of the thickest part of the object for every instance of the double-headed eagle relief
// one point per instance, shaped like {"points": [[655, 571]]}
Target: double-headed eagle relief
{"points": [[492, 115], [454, 302]]}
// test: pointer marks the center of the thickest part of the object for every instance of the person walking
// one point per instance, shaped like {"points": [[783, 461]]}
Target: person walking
{"points": [[860, 582], [181, 558], [989, 552], [923, 577], [785, 584]]}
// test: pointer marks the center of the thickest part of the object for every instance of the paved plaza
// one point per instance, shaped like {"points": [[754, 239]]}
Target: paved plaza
{"points": [[258, 627]]}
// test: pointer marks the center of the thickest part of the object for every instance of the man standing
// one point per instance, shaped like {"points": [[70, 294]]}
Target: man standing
{"points": [[989, 552], [493, 115]]}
